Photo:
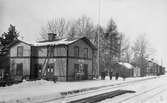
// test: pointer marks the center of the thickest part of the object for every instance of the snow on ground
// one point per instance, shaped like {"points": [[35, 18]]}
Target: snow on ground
{"points": [[160, 98], [41, 89], [158, 95]]}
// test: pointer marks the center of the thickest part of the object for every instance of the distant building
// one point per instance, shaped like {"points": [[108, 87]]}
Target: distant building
{"points": [[65, 59], [136, 71], [150, 68], [123, 69], [154, 68]]}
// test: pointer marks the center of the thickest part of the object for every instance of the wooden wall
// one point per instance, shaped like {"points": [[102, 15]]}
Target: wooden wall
{"points": [[25, 59], [58, 59], [38, 55], [79, 60]]}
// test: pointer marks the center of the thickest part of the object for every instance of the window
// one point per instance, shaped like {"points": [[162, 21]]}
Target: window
{"points": [[76, 67], [52, 51], [56, 51], [50, 67], [20, 51], [60, 51], [86, 52], [76, 51], [51, 70], [81, 68], [19, 69]]}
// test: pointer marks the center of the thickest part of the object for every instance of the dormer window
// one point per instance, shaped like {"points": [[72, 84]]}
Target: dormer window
{"points": [[76, 51], [20, 51]]}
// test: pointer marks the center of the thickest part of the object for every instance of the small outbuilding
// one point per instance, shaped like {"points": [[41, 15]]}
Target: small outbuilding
{"points": [[124, 69]]}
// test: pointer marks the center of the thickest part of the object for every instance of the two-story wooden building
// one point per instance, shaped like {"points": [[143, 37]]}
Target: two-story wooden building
{"points": [[66, 59]]}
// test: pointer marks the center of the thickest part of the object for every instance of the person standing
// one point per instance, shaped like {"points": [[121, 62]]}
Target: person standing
{"points": [[102, 76], [110, 74], [116, 76]]}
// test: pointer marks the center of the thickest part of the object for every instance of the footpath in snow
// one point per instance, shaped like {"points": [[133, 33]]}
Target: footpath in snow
{"points": [[32, 91]]}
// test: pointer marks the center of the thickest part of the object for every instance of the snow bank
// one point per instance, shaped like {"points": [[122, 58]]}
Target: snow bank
{"points": [[28, 84]]}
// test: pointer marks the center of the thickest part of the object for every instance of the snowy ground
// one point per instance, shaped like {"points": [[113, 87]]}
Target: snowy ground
{"points": [[31, 91], [153, 91]]}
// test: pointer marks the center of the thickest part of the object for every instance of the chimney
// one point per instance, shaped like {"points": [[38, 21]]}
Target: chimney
{"points": [[52, 36]]}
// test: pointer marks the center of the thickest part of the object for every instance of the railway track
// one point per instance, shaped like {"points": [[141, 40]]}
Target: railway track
{"points": [[101, 97], [145, 95], [98, 90], [164, 90], [104, 87]]}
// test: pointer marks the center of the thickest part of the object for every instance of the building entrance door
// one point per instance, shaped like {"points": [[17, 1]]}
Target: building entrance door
{"points": [[85, 70], [19, 72], [36, 72], [76, 72]]}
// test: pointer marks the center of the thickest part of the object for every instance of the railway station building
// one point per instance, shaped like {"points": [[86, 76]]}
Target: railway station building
{"points": [[64, 59]]}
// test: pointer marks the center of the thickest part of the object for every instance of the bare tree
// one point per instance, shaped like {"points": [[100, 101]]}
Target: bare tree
{"points": [[140, 47], [82, 27], [72, 31], [125, 49], [141, 51], [57, 25]]}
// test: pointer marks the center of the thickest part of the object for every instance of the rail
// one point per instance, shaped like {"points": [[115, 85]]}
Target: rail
{"points": [[72, 94]]}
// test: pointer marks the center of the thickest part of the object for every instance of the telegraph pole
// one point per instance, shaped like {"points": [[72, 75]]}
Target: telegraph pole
{"points": [[98, 51]]}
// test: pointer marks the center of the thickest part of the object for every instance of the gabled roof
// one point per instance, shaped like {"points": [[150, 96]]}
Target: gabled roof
{"points": [[52, 43], [66, 41], [89, 42], [16, 42], [4, 49]]}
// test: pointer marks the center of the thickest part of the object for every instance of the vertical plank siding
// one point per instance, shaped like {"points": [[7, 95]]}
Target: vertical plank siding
{"points": [[24, 61], [80, 60], [59, 63], [61, 59]]}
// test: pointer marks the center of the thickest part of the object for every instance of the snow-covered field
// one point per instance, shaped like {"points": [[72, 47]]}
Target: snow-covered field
{"points": [[31, 91]]}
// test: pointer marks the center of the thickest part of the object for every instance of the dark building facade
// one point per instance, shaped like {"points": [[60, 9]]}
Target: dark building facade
{"points": [[65, 59]]}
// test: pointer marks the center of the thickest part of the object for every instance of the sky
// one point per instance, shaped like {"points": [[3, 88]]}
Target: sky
{"points": [[133, 17]]}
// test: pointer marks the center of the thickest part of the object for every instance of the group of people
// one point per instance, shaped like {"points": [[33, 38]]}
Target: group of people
{"points": [[103, 75]]}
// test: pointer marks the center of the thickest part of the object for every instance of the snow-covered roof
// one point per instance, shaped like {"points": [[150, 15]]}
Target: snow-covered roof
{"points": [[127, 65], [58, 42], [149, 59], [65, 41]]}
